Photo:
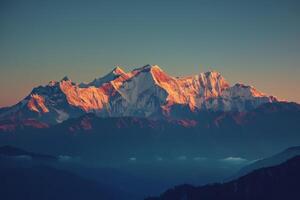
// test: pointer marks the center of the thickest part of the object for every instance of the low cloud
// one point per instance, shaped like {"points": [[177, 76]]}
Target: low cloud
{"points": [[132, 159], [234, 160], [22, 157], [66, 158], [158, 158]]}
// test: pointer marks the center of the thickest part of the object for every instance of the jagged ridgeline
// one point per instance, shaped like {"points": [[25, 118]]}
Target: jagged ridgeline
{"points": [[147, 92]]}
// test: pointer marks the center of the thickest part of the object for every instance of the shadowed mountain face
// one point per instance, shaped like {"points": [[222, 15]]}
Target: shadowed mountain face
{"points": [[217, 134], [278, 182]]}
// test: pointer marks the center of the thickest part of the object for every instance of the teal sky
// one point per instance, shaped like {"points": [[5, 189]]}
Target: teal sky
{"points": [[256, 42]]}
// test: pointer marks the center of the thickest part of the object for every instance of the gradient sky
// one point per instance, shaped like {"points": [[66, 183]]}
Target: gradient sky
{"points": [[256, 42]]}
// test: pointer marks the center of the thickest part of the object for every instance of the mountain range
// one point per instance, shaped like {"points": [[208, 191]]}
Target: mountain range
{"points": [[146, 92], [146, 125], [147, 112]]}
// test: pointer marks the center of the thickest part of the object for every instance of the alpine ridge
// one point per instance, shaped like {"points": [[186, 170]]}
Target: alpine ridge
{"points": [[147, 91]]}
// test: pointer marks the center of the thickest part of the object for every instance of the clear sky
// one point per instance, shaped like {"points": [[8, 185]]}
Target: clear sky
{"points": [[256, 42]]}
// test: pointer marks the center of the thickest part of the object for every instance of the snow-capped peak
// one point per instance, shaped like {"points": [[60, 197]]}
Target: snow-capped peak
{"points": [[52, 83], [65, 78], [118, 71], [97, 82], [240, 89], [145, 92], [148, 66]]}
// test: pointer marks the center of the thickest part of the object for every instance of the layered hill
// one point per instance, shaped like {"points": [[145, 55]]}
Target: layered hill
{"points": [[33, 176], [277, 182], [270, 161]]}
